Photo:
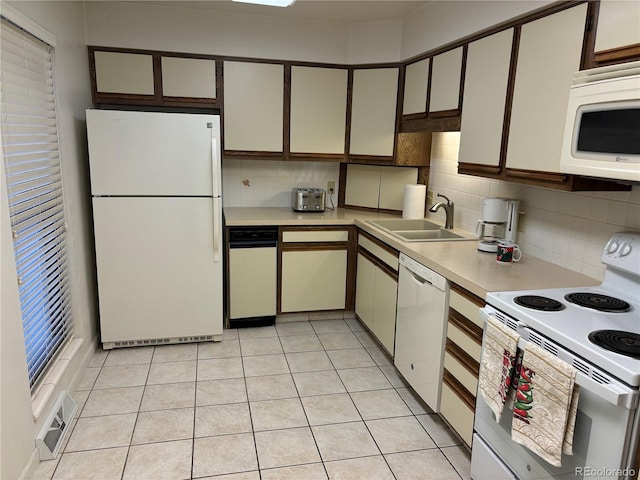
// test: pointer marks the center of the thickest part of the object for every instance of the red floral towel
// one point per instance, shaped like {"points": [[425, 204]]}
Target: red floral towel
{"points": [[545, 405], [496, 364]]}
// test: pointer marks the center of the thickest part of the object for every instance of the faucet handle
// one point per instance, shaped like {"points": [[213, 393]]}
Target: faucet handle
{"points": [[449, 202]]}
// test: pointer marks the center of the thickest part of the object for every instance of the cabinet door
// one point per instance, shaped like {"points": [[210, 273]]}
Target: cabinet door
{"points": [[416, 83], [548, 55], [253, 106], [618, 24], [318, 110], [188, 77], [128, 73], [313, 280], [446, 75], [365, 284], [384, 308], [485, 95], [373, 111]]}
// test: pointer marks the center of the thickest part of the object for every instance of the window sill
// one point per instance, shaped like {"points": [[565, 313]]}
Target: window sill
{"points": [[41, 397]]}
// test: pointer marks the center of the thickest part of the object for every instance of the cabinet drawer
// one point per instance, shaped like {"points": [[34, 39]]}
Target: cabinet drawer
{"points": [[462, 374], [466, 343], [459, 301], [457, 412], [313, 236], [379, 252]]}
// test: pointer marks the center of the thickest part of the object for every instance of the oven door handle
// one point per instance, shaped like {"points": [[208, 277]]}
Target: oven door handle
{"points": [[612, 393]]}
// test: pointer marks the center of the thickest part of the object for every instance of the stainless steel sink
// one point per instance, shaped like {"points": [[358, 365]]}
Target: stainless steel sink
{"points": [[418, 230]]}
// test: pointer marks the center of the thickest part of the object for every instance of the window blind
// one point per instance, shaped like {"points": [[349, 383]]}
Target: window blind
{"points": [[29, 133]]}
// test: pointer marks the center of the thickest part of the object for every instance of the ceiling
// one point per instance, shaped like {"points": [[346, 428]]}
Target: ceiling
{"points": [[323, 10]]}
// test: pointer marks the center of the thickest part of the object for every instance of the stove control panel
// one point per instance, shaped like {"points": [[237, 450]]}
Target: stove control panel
{"points": [[623, 251]]}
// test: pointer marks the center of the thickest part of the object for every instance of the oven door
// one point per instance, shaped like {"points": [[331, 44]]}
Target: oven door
{"points": [[606, 425]]}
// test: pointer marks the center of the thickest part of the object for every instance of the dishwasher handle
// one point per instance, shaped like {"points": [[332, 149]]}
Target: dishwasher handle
{"points": [[422, 274]]}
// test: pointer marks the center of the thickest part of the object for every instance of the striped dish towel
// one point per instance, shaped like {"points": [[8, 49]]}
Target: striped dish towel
{"points": [[545, 406], [499, 349]]}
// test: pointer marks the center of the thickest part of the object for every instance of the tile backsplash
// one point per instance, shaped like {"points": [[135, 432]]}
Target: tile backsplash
{"points": [[568, 229], [264, 183]]}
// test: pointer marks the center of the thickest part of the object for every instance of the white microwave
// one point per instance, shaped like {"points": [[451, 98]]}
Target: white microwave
{"points": [[602, 130]]}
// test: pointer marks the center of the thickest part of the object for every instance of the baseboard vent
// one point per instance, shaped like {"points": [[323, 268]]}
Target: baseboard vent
{"points": [[158, 341], [54, 430]]}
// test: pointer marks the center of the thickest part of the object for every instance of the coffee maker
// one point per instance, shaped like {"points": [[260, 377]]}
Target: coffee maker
{"points": [[499, 222]]}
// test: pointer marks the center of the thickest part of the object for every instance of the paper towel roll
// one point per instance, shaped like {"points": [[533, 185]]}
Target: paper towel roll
{"points": [[413, 202]]}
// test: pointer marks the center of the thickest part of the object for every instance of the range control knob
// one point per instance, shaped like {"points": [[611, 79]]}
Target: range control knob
{"points": [[625, 249], [613, 246]]}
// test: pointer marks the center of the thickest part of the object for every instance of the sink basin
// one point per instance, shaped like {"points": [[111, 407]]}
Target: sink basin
{"points": [[418, 230], [405, 225], [424, 235]]}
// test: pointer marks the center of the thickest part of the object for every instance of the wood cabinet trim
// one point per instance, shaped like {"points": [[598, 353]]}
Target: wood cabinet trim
{"points": [[473, 331], [379, 243], [460, 390], [467, 294], [468, 362], [628, 53], [378, 263]]}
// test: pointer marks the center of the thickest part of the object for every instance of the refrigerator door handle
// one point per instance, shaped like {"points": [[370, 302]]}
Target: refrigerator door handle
{"points": [[216, 233], [215, 166]]}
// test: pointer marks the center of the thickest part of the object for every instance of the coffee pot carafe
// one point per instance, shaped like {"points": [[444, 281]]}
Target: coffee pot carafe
{"points": [[499, 222]]}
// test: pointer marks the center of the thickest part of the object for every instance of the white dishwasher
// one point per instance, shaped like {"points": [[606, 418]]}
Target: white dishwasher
{"points": [[420, 328]]}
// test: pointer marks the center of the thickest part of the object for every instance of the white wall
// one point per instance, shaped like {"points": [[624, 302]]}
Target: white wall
{"points": [[569, 229], [262, 183], [442, 22], [65, 21]]}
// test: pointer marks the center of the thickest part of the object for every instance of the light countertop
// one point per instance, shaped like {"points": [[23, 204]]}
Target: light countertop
{"points": [[458, 261]]}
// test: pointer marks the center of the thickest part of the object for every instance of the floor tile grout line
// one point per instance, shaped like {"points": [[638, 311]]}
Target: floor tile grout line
{"points": [[246, 389]]}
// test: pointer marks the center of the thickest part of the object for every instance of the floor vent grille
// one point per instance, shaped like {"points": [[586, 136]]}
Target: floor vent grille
{"points": [[54, 430]]}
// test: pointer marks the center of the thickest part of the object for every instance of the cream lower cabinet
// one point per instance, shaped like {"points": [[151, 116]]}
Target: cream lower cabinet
{"points": [[377, 290], [314, 269], [461, 362]]}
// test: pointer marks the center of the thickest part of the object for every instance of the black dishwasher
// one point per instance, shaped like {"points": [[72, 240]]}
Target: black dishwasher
{"points": [[253, 274]]}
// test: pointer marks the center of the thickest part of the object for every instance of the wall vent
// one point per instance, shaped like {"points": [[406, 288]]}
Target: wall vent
{"points": [[156, 341], [55, 429]]}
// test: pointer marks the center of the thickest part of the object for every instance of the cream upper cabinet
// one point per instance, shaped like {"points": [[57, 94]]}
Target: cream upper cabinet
{"points": [[485, 94], [416, 83], [253, 106], [446, 74], [373, 111], [618, 24], [188, 77], [318, 109], [127, 73], [378, 187], [549, 54]]}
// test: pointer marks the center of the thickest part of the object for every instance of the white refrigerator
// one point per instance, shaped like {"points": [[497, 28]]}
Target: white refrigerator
{"points": [[157, 214]]}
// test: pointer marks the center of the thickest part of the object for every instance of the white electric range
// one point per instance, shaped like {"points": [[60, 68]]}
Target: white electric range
{"points": [[597, 330]]}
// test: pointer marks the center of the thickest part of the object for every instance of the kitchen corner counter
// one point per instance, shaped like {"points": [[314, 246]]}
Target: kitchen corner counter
{"points": [[247, 216], [459, 261]]}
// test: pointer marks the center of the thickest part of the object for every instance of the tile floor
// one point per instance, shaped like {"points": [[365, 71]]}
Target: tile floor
{"points": [[300, 400]]}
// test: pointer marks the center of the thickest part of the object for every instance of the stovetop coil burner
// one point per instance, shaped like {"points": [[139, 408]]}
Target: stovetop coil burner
{"points": [[537, 302], [596, 301], [617, 341]]}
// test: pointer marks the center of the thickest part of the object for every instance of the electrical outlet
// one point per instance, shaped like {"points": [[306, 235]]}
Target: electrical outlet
{"points": [[331, 186], [429, 197]]}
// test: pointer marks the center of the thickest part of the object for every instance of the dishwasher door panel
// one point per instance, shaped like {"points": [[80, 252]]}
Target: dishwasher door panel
{"points": [[420, 334], [252, 282]]}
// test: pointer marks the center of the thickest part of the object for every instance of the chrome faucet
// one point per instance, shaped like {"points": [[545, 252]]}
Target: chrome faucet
{"points": [[448, 210]]}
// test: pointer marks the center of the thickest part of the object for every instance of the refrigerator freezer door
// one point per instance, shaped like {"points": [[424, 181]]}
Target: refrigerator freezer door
{"points": [[153, 153], [157, 278]]}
